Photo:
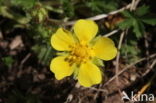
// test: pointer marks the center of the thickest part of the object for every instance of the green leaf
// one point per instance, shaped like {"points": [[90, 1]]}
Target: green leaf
{"points": [[130, 51], [50, 8], [134, 22], [149, 20], [44, 53], [98, 62], [6, 12], [142, 10], [68, 7], [138, 28], [128, 14], [26, 4], [76, 71], [127, 23], [42, 14], [100, 6], [8, 61]]}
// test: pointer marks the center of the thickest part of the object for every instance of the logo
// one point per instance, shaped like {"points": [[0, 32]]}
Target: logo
{"points": [[137, 97]]}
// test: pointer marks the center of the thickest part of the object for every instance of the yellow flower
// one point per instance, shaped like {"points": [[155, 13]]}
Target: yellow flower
{"points": [[80, 52]]}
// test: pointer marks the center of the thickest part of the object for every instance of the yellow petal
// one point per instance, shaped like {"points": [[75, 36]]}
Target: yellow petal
{"points": [[105, 49], [89, 74], [62, 40], [85, 30], [60, 67]]}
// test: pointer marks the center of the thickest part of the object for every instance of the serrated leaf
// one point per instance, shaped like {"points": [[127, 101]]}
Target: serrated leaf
{"points": [[149, 20], [42, 14], [130, 51], [142, 10], [99, 6], [127, 23], [26, 4], [128, 14], [138, 28]]}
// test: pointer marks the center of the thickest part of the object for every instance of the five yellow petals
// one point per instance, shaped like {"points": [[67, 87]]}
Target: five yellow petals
{"points": [[79, 53]]}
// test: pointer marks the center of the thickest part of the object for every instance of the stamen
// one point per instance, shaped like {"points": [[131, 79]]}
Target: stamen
{"points": [[80, 53]]}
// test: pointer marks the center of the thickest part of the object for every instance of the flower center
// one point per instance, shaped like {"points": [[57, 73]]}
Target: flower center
{"points": [[80, 53]]}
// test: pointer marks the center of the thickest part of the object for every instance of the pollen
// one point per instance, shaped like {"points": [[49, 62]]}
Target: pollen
{"points": [[80, 53]]}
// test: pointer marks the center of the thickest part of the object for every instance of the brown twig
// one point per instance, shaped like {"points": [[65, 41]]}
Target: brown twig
{"points": [[97, 93], [132, 7], [118, 56], [96, 89], [111, 33], [1, 36], [149, 68], [147, 85], [70, 95], [129, 66], [146, 46], [101, 16], [24, 60]]}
